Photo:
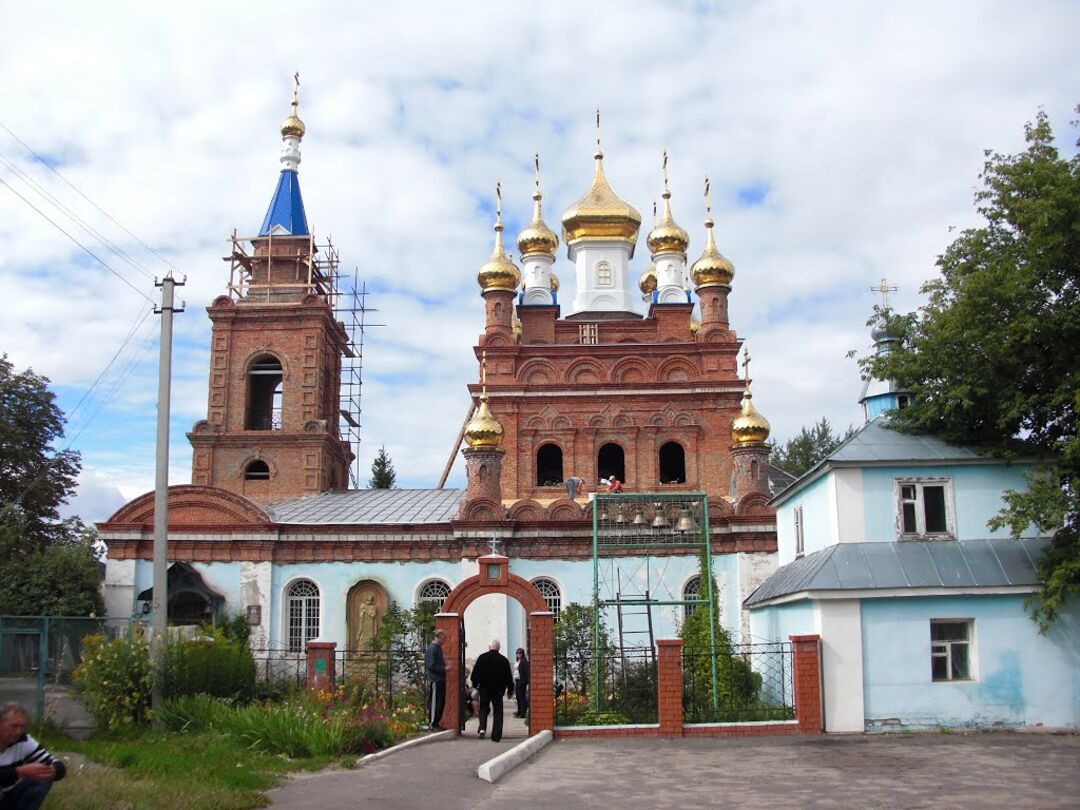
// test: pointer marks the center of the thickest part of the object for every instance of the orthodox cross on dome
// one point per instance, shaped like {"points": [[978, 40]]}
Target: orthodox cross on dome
{"points": [[746, 363], [708, 202], [296, 91], [884, 289], [498, 201], [666, 191], [494, 543], [483, 371], [536, 161], [599, 153], [654, 212]]}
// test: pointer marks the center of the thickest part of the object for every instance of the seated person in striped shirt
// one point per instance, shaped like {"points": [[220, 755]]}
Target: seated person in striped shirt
{"points": [[26, 769]]}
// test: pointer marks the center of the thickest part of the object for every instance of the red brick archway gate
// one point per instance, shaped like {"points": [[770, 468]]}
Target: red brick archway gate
{"points": [[495, 577]]}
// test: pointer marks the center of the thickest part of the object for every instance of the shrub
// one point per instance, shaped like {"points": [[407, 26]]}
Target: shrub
{"points": [[114, 678], [210, 665]]}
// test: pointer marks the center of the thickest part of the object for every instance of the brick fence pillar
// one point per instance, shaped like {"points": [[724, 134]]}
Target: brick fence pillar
{"points": [[807, 675], [450, 623], [541, 672], [321, 661], [669, 686]]}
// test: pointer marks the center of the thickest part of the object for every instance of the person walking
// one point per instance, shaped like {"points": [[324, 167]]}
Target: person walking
{"points": [[27, 771], [435, 669], [521, 682], [493, 678]]}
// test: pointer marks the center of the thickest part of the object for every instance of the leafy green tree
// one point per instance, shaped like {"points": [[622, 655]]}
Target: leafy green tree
{"points": [[992, 357], [575, 646], [807, 447], [406, 633], [382, 471], [59, 580], [35, 478]]}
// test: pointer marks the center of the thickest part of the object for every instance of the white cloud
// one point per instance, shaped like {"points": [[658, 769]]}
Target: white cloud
{"points": [[864, 124]]}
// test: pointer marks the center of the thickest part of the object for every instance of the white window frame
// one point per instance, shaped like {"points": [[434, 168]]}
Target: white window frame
{"points": [[920, 483], [422, 598], [947, 649], [800, 540], [691, 589], [552, 600], [310, 615]]}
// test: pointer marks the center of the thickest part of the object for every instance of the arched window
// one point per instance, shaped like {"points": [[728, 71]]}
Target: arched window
{"points": [[189, 607], [604, 275], [691, 590], [434, 593], [610, 461], [549, 589], [672, 464], [549, 472], [265, 380], [302, 614], [258, 470]]}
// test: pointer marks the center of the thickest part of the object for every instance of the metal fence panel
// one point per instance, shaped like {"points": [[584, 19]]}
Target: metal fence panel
{"points": [[608, 687], [754, 683]]}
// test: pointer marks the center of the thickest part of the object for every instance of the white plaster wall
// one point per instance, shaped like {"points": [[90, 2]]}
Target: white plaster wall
{"points": [[587, 296], [850, 522], [255, 580], [119, 590], [753, 569], [840, 626]]}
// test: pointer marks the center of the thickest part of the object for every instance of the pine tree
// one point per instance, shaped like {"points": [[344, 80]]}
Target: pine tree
{"points": [[382, 471]]}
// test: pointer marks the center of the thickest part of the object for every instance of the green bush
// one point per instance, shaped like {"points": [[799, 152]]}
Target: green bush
{"points": [[208, 665], [114, 678]]}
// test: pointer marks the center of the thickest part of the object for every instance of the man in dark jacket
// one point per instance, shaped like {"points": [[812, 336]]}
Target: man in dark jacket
{"points": [[26, 769], [492, 676], [435, 669]]}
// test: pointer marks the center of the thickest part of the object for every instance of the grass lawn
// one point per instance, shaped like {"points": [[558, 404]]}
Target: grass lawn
{"points": [[160, 769]]}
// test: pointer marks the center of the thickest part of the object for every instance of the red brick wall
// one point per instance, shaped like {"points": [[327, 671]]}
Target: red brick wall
{"points": [[321, 663], [669, 686], [808, 698]]}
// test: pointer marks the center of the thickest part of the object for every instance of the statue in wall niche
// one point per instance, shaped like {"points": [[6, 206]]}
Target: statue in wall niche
{"points": [[366, 605]]}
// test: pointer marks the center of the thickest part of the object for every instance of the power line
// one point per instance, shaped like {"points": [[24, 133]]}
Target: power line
{"points": [[74, 188], [72, 215], [91, 253]]}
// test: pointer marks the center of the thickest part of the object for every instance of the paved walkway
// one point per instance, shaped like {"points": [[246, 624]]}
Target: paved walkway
{"points": [[886, 772]]}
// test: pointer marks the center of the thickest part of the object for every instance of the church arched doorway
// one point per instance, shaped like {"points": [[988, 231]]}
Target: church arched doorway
{"points": [[495, 578]]}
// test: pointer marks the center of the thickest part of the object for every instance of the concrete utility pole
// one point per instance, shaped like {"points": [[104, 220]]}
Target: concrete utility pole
{"points": [[159, 607]]}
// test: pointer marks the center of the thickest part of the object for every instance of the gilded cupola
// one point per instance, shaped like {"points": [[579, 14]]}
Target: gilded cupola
{"points": [[498, 272], [293, 127], [713, 269], [483, 430], [647, 281], [537, 236], [666, 236], [600, 214], [749, 428]]}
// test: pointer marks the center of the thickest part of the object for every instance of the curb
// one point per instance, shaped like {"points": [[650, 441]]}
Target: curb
{"points": [[441, 735], [495, 769]]}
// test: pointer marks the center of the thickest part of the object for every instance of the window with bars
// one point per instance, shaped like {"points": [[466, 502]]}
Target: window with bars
{"points": [[302, 609], [549, 589], [950, 649], [588, 334], [434, 593], [924, 507]]}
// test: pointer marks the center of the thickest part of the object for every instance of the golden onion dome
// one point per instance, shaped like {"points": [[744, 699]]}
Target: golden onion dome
{"points": [[647, 281], [713, 269], [293, 126], [749, 428], [600, 214], [666, 236], [483, 429], [498, 272], [554, 283], [537, 236]]}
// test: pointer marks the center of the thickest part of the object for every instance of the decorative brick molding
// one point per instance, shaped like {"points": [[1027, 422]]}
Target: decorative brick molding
{"points": [[321, 662], [809, 709], [192, 505]]}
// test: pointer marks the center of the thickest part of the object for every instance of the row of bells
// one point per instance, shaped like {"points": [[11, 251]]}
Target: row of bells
{"points": [[661, 520]]}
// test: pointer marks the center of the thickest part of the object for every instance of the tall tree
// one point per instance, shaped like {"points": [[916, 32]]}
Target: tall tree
{"points": [[382, 471], [807, 447], [992, 357], [35, 477]]}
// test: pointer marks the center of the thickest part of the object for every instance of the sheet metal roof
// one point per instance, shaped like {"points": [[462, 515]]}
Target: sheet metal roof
{"points": [[907, 564], [286, 207], [370, 506], [876, 442]]}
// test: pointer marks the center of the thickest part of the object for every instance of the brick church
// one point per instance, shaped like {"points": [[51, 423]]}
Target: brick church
{"points": [[626, 382]]}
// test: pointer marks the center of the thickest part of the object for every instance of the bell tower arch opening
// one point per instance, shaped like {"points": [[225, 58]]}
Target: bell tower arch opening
{"points": [[265, 387], [672, 463], [611, 460], [549, 465]]}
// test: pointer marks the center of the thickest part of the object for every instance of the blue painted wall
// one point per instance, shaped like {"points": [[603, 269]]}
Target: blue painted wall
{"points": [[1022, 677], [779, 622]]}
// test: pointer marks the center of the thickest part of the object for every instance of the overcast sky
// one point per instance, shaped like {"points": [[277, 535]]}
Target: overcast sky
{"points": [[844, 142]]}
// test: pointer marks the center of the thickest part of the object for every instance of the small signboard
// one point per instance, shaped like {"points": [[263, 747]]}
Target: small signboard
{"points": [[254, 615]]}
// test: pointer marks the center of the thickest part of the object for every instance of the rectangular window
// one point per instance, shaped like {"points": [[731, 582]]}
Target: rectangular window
{"points": [[604, 275], [924, 507], [950, 649], [588, 334], [799, 547]]}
